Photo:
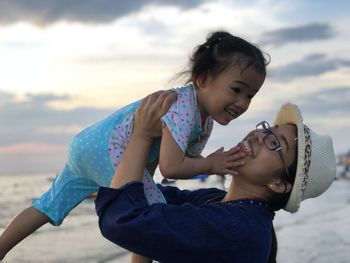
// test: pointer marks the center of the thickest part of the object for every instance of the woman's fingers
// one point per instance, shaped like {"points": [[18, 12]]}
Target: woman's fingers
{"points": [[151, 99], [164, 101], [158, 103], [150, 110], [169, 99]]}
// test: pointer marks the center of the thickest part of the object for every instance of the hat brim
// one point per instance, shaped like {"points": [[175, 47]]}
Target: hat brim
{"points": [[290, 114]]}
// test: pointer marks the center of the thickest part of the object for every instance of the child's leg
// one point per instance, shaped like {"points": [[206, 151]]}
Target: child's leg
{"points": [[66, 192], [21, 226]]}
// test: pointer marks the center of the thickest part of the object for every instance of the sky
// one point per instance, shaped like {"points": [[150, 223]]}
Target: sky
{"points": [[67, 64]]}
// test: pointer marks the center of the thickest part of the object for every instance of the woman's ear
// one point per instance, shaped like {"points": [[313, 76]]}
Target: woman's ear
{"points": [[279, 186]]}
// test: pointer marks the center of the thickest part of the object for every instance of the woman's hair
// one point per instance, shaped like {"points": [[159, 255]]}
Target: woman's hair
{"points": [[278, 201], [222, 50]]}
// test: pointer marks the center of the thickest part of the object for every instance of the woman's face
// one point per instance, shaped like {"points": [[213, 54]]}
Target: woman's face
{"points": [[262, 164]]}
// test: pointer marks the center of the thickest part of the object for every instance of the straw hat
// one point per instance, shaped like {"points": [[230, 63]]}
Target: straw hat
{"points": [[316, 167]]}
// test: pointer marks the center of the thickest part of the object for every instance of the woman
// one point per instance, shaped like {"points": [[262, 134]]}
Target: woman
{"points": [[284, 164]]}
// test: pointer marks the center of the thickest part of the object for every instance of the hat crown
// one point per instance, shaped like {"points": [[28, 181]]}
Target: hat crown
{"points": [[316, 164], [322, 170]]}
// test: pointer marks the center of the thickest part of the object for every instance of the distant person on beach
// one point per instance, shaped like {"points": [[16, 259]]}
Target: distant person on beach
{"points": [[284, 164], [225, 73]]}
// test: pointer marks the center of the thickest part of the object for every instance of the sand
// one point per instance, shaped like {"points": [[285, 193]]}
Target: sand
{"points": [[319, 232]]}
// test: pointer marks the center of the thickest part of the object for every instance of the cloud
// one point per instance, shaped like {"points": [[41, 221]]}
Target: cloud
{"points": [[34, 137], [311, 65], [86, 11], [34, 121], [305, 33], [331, 102], [31, 148]]}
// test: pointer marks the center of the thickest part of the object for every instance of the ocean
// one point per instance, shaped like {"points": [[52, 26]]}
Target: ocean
{"points": [[319, 232]]}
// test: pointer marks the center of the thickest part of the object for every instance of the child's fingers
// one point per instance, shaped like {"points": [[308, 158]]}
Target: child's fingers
{"points": [[235, 164], [231, 172], [233, 150], [235, 157], [220, 150]]}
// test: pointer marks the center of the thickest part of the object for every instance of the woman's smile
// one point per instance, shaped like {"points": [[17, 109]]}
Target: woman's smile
{"points": [[246, 147], [231, 112]]}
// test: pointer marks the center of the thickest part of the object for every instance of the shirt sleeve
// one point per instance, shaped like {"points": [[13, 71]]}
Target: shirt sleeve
{"points": [[163, 232], [181, 118], [195, 148]]}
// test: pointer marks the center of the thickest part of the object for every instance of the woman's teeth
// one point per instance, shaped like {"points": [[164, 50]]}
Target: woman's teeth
{"points": [[246, 147]]}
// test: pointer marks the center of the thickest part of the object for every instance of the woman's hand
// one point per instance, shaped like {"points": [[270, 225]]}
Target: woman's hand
{"points": [[223, 162], [146, 127], [147, 117]]}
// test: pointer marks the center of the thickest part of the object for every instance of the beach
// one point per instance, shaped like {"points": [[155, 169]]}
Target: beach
{"points": [[319, 232]]}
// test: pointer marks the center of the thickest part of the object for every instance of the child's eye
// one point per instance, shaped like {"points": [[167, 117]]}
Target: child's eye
{"points": [[236, 90]]}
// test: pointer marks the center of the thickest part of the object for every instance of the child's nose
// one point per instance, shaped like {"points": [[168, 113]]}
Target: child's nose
{"points": [[242, 104]]}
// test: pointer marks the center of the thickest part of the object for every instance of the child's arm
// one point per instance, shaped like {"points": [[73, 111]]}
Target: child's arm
{"points": [[174, 164], [25, 223]]}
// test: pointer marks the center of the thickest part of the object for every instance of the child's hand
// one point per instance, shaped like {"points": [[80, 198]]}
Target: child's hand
{"points": [[223, 162]]}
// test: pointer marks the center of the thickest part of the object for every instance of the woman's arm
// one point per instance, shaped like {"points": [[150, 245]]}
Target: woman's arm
{"points": [[162, 232], [146, 128], [174, 164], [134, 158]]}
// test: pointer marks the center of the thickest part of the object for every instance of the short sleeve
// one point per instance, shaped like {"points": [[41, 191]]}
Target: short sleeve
{"points": [[196, 147], [182, 119]]}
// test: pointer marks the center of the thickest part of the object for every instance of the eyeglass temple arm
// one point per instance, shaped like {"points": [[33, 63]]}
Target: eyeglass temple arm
{"points": [[279, 150]]}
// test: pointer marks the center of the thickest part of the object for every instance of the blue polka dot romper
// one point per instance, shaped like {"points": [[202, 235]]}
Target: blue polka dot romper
{"points": [[95, 152]]}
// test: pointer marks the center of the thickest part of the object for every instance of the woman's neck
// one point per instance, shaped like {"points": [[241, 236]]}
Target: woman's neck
{"points": [[240, 190]]}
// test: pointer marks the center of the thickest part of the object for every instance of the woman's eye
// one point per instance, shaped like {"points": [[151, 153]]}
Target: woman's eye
{"points": [[272, 141], [275, 143]]}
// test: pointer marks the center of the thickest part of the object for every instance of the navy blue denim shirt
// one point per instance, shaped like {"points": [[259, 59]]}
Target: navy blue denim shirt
{"points": [[192, 227]]}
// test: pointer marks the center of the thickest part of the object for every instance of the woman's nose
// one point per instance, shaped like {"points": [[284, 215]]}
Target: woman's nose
{"points": [[258, 137]]}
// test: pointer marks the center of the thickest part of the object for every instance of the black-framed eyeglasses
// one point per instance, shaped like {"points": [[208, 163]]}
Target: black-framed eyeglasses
{"points": [[271, 141]]}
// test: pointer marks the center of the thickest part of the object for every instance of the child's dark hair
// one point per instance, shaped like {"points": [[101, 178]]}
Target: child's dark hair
{"points": [[222, 50], [280, 200]]}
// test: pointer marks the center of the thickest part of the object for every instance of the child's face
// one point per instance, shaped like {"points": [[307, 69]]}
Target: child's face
{"points": [[228, 95]]}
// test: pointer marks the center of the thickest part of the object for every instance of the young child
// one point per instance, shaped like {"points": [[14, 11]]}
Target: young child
{"points": [[225, 74]]}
